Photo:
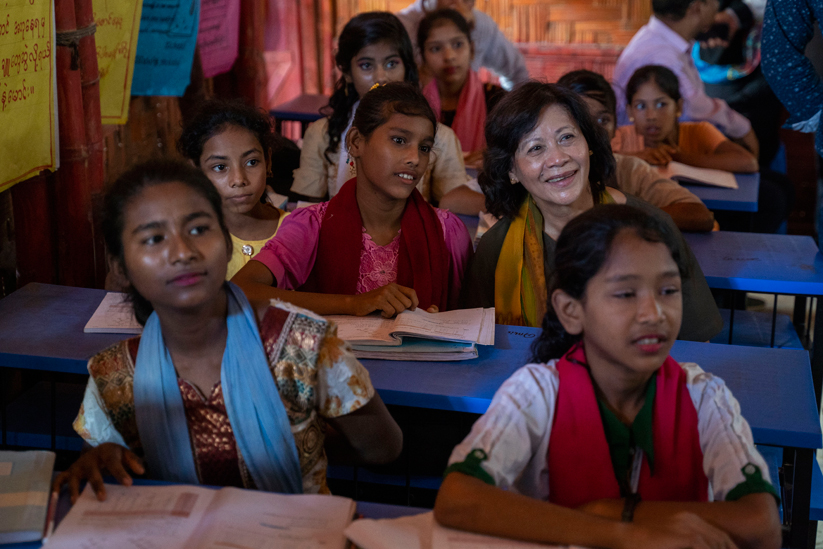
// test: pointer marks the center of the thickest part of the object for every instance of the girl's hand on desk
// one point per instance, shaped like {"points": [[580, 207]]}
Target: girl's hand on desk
{"points": [[658, 156], [109, 457], [390, 299], [683, 530]]}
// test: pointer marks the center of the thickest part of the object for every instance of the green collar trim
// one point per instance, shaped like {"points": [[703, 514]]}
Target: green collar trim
{"points": [[622, 439]]}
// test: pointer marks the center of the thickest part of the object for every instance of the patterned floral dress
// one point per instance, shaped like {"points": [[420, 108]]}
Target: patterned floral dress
{"points": [[314, 370]]}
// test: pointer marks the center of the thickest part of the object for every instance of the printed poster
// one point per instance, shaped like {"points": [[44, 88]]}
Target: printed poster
{"points": [[165, 47], [217, 40], [118, 23], [28, 107]]}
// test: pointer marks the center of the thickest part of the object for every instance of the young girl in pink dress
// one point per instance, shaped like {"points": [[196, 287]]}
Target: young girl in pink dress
{"points": [[377, 245]]}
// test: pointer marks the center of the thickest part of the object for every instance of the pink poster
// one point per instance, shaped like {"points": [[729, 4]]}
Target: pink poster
{"points": [[217, 39]]}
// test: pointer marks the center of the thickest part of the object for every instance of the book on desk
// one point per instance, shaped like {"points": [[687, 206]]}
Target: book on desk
{"points": [[25, 486], [114, 315], [691, 175], [418, 335], [186, 516]]}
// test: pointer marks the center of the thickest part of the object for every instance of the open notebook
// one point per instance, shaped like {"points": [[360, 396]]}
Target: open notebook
{"points": [[689, 175], [184, 516], [418, 335]]}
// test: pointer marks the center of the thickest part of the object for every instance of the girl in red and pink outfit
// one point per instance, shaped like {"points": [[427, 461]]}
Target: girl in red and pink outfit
{"points": [[377, 245], [605, 440], [456, 94]]}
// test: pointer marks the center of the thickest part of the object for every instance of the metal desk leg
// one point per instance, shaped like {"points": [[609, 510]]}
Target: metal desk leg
{"points": [[817, 352], [802, 461]]}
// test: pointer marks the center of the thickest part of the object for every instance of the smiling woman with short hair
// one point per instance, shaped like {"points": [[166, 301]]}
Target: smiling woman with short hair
{"points": [[546, 162]]}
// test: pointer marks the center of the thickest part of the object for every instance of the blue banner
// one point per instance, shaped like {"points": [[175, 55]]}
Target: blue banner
{"points": [[165, 47]]}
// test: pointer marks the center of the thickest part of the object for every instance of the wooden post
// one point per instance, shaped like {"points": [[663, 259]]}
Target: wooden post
{"points": [[72, 199], [34, 230], [90, 82]]}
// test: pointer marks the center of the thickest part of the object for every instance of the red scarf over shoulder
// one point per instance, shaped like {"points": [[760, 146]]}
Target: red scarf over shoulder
{"points": [[580, 466], [423, 263]]}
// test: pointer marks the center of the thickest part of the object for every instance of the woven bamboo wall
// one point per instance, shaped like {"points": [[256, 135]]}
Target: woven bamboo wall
{"points": [[611, 22]]}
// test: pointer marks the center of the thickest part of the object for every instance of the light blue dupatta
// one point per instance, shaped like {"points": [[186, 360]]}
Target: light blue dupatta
{"points": [[256, 413]]}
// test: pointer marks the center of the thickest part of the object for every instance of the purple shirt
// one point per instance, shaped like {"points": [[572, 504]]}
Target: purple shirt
{"points": [[656, 44]]}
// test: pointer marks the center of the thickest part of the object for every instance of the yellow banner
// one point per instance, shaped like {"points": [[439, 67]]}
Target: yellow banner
{"points": [[28, 110], [118, 24]]}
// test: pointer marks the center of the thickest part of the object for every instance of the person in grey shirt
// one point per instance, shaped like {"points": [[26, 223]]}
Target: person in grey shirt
{"points": [[491, 48]]}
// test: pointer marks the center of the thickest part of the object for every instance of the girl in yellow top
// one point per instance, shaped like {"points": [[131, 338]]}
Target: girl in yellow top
{"points": [[232, 144]]}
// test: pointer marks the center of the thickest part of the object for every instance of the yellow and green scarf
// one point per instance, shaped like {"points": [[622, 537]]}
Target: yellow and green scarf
{"points": [[520, 292]]}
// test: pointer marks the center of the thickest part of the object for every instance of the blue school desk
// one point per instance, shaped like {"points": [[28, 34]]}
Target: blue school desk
{"points": [[303, 108], [41, 328], [742, 199], [770, 263]]}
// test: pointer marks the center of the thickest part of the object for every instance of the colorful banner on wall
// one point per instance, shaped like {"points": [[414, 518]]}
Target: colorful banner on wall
{"points": [[28, 107], [165, 48], [118, 23], [218, 37]]}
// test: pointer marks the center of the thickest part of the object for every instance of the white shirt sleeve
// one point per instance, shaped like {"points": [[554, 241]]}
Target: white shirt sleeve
{"points": [[725, 436], [514, 432], [93, 422]]}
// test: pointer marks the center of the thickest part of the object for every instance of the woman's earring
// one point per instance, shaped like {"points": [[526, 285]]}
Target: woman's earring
{"points": [[352, 167], [513, 181], [591, 152], [631, 119]]}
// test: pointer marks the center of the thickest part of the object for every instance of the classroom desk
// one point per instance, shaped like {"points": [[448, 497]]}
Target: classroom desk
{"points": [[303, 108], [742, 199], [41, 328], [773, 387], [770, 263]]}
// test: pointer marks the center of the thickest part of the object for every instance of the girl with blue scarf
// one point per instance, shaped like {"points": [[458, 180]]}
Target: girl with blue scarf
{"points": [[216, 390]]}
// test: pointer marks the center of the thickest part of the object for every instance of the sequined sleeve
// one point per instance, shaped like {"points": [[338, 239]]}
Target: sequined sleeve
{"points": [[343, 383]]}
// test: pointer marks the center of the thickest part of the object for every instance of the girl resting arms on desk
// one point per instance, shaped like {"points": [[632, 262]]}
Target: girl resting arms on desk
{"points": [[377, 245], [633, 175], [604, 440], [654, 105], [546, 162], [457, 96], [216, 390], [232, 144], [374, 48]]}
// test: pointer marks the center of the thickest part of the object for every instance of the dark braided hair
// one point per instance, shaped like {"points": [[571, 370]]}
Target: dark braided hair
{"points": [[582, 248], [361, 31]]}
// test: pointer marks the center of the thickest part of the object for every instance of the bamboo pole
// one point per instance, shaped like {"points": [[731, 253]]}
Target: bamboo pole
{"points": [[75, 248], [250, 68], [34, 230], [90, 84]]}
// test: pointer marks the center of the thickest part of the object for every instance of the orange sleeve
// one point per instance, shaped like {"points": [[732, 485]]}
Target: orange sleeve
{"points": [[700, 137]]}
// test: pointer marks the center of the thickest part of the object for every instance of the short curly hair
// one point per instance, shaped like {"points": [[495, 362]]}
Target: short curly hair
{"points": [[517, 114], [215, 115]]}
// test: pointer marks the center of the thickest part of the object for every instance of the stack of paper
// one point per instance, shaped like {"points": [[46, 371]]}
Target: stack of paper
{"points": [[691, 175], [418, 335], [423, 532], [183, 517], [25, 485], [114, 315]]}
